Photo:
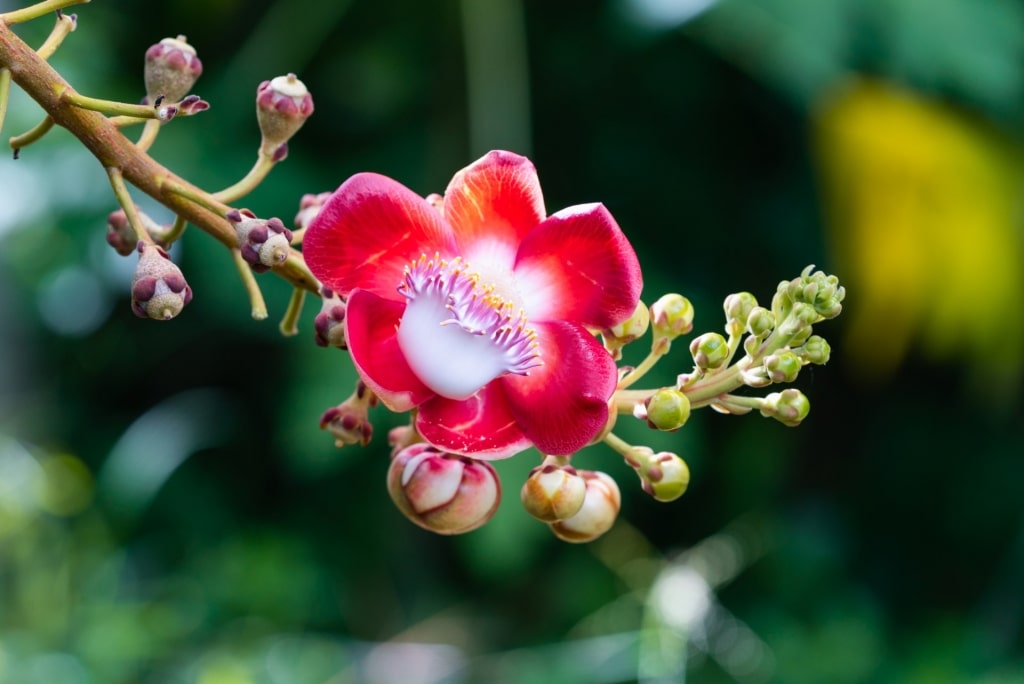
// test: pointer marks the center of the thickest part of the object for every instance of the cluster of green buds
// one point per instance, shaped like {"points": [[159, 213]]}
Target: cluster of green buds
{"points": [[450, 494]]}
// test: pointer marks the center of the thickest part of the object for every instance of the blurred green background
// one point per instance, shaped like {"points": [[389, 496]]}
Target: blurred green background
{"points": [[169, 511]]}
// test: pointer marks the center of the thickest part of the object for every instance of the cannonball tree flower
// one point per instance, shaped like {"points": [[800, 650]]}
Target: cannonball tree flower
{"points": [[477, 309]]}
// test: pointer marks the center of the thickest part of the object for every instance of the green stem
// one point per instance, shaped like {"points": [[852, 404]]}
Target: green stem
{"points": [[149, 134], [38, 10], [659, 348], [111, 107], [623, 448], [176, 230], [735, 404], [252, 288], [290, 323], [65, 25], [196, 196], [125, 200], [247, 184], [32, 135], [5, 91]]}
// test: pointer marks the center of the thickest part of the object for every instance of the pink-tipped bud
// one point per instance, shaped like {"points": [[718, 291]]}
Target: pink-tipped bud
{"points": [[122, 237], [309, 206], [597, 515], [441, 492], [329, 324], [172, 68], [264, 242], [553, 492], [159, 290], [282, 105], [349, 423]]}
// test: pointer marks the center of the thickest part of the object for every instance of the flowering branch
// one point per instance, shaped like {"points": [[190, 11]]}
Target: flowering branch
{"points": [[497, 327]]}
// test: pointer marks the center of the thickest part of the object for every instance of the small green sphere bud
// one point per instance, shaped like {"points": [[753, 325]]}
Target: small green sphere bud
{"points": [[760, 322], [738, 307], [671, 316], [597, 515], [709, 351], [633, 328], [664, 475], [782, 366], [815, 350], [667, 409], [789, 406], [553, 492]]}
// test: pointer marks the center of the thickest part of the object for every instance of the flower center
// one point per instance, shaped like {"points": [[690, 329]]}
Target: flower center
{"points": [[458, 334]]}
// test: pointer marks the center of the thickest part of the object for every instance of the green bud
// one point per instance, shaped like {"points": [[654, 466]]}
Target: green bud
{"points": [[797, 326], [815, 350], [820, 290], [738, 307], [667, 409], [782, 366], [789, 406], [663, 475], [671, 316], [633, 328], [760, 322], [709, 351]]}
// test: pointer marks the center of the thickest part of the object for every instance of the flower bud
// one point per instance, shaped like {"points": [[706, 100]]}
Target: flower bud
{"points": [[553, 492], [709, 351], [663, 475], [667, 409], [789, 406], [264, 243], [782, 366], [159, 290], [634, 327], [329, 324], [282, 105], [172, 68], [442, 492], [671, 316], [309, 206], [120, 234], [601, 505], [815, 350], [797, 326], [760, 322], [738, 307], [821, 291], [349, 421]]}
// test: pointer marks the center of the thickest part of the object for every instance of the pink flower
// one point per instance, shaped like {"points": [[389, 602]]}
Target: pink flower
{"points": [[477, 310]]}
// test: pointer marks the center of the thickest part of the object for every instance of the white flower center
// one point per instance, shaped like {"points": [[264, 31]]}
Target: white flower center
{"points": [[458, 334]]}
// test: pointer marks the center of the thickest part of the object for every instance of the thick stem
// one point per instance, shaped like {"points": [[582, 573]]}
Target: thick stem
{"points": [[103, 139]]}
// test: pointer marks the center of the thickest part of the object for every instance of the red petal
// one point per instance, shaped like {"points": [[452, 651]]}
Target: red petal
{"points": [[481, 426], [370, 324], [578, 266], [492, 204], [368, 231], [563, 404]]}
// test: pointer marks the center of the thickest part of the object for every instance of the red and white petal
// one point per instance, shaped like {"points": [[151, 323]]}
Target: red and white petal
{"points": [[368, 231], [481, 426], [491, 205], [370, 328], [579, 266], [563, 404]]}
